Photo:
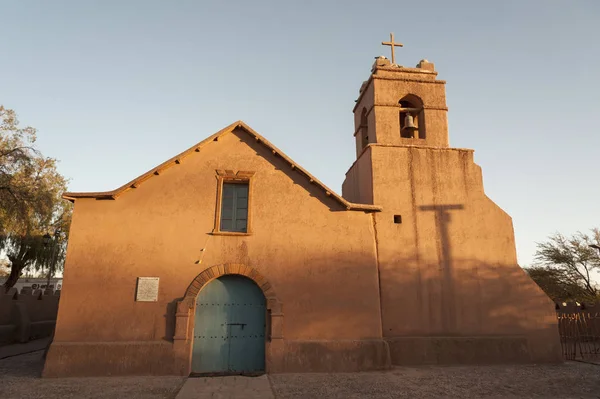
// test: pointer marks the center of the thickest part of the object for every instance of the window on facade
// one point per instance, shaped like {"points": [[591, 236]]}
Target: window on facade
{"points": [[234, 207]]}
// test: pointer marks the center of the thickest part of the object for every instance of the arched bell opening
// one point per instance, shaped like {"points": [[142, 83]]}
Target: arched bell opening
{"points": [[412, 123], [364, 129]]}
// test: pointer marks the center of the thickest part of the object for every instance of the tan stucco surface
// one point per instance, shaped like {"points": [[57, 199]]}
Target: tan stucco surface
{"points": [[349, 286], [319, 257], [450, 268]]}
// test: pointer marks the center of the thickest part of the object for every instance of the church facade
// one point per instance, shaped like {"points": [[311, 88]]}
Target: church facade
{"points": [[232, 258]]}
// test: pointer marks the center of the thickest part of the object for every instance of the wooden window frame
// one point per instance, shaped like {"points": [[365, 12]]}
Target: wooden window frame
{"points": [[228, 176]]}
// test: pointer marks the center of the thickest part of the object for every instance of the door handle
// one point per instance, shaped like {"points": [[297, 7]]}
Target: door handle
{"points": [[237, 324]]}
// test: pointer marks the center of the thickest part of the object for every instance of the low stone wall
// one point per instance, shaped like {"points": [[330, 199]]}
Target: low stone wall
{"points": [[95, 359], [335, 356], [91, 359], [27, 315], [408, 351]]}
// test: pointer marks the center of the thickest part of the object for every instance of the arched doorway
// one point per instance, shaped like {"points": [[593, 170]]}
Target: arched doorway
{"points": [[229, 327]]}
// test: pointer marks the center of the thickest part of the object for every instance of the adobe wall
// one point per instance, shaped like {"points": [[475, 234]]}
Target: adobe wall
{"points": [[319, 257], [452, 290], [358, 184]]}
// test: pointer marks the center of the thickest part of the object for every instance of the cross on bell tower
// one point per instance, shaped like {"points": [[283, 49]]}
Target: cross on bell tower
{"points": [[392, 45]]}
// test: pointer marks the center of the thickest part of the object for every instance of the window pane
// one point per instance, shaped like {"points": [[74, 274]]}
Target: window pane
{"points": [[228, 202], [227, 222], [228, 189], [242, 190], [226, 225], [227, 213], [242, 203], [241, 214], [241, 225]]}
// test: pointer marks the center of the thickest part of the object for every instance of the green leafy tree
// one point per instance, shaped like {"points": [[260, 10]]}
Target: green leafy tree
{"points": [[565, 266], [30, 201], [554, 283]]}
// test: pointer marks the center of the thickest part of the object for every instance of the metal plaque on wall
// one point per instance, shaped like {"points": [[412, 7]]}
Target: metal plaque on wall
{"points": [[147, 289]]}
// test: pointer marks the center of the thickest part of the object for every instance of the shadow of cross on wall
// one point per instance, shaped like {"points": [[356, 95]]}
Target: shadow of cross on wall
{"points": [[442, 220]]}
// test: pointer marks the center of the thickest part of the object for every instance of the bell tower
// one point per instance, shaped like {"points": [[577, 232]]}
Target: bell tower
{"points": [[398, 108], [401, 106], [449, 282]]}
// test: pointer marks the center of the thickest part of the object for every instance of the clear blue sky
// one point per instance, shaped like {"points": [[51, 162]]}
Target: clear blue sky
{"points": [[117, 87]]}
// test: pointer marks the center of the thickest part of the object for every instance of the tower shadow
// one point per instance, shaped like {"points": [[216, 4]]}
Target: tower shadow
{"points": [[443, 218]]}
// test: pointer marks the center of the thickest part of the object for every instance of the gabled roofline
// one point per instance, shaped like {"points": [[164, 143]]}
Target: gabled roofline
{"points": [[114, 194]]}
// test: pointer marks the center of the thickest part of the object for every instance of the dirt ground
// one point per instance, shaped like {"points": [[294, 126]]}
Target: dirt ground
{"points": [[568, 380], [20, 378]]}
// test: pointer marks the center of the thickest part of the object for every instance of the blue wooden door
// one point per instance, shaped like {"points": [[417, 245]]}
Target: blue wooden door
{"points": [[229, 331]]}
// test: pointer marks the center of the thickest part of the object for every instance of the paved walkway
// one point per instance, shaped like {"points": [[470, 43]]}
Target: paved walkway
{"points": [[235, 387]]}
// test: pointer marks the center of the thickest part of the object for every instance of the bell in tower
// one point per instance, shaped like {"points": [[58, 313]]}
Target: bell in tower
{"points": [[408, 127]]}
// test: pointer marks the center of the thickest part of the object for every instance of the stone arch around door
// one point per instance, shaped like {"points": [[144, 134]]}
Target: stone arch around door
{"points": [[184, 317]]}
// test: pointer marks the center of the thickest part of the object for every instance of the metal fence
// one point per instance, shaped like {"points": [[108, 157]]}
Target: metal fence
{"points": [[579, 334]]}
